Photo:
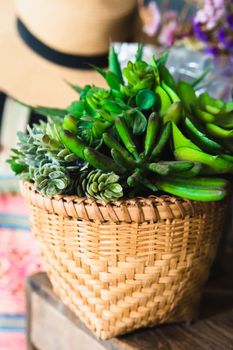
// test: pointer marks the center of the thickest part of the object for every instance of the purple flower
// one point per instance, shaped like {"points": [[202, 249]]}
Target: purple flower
{"points": [[230, 20], [210, 14], [167, 34], [213, 50], [225, 39], [170, 15], [228, 44], [201, 17], [222, 34], [199, 33], [219, 3]]}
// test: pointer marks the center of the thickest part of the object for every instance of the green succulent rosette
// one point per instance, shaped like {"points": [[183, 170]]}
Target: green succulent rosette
{"points": [[51, 179], [100, 185]]}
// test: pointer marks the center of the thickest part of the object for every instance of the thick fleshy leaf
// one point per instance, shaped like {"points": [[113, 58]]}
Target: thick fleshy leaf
{"points": [[102, 177], [93, 187], [153, 63], [114, 64], [84, 91], [116, 188], [162, 60], [139, 53], [50, 190], [112, 80], [56, 174], [112, 107], [60, 184], [228, 107], [47, 111], [166, 76], [136, 121], [112, 178], [187, 94], [101, 186], [22, 136], [76, 88], [197, 80], [76, 109], [210, 104], [16, 167], [41, 183], [145, 99], [109, 194], [99, 70], [225, 121], [144, 84]]}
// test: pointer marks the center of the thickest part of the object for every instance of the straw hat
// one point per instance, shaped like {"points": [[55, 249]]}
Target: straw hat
{"points": [[45, 43]]}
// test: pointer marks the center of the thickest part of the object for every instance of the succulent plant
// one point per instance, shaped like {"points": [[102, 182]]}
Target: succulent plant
{"points": [[51, 179], [144, 134], [139, 76], [99, 185]]}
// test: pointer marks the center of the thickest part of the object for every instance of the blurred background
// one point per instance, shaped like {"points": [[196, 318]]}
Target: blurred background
{"points": [[199, 34]]}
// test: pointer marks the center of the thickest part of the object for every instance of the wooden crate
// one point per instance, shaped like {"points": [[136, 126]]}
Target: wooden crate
{"points": [[52, 326]]}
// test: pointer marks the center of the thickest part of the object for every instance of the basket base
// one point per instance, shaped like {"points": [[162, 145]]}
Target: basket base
{"points": [[51, 325], [185, 311]]}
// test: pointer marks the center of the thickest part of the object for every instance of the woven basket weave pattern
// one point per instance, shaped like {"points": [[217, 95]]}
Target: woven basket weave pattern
{"points": [[130, 264]]}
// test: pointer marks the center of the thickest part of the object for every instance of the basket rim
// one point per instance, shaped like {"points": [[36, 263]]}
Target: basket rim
{"points": [[138, 209]]}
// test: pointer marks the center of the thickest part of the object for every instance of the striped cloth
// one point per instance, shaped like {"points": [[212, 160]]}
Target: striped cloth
{"points": [[19, 257]]}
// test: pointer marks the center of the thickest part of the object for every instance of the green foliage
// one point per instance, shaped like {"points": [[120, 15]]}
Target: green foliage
{"points": [[143, 134], [145, 99], [139, 76], [42, 149], [99, 185], [51, 179], [139, 53], [114, 65]]}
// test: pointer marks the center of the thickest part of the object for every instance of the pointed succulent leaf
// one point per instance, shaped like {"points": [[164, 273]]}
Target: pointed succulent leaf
{"points": [[22, 136], [47, 111], [136, 121], [99, 70], [75, 87], [162, 60], [202, 76], [139, 53], [112, 81], [76, 109], [114, 64]]}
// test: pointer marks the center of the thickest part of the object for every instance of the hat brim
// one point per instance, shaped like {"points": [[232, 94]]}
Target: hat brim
{"points": [[28, 77]]}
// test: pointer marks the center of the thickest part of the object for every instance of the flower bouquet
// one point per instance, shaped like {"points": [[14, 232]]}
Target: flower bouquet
{"points": [[206, 25], [213, 24], [126, 191], [165, 23]]}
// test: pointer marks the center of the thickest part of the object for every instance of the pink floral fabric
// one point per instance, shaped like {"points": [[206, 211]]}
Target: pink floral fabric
{"points": [[19, 257], [9, 341]]}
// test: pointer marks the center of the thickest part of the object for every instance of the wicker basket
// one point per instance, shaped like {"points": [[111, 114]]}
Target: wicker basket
{"points": [[130, 264]]}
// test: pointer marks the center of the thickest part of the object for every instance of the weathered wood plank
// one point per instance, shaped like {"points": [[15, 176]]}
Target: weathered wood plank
{"points": [[65, 334]]}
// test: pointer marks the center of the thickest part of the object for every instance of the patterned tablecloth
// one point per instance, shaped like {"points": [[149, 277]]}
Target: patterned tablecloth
{"points": [[19, 257]]}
